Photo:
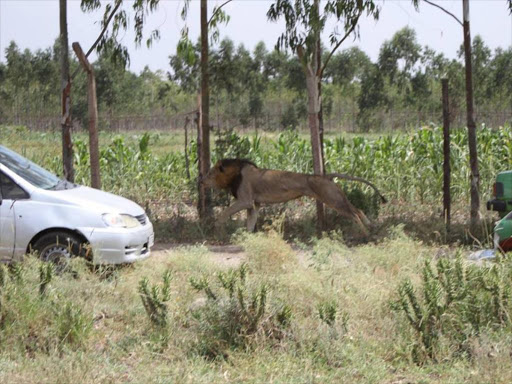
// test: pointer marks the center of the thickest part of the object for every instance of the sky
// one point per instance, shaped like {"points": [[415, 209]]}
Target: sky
{"points": [[34, 24]]}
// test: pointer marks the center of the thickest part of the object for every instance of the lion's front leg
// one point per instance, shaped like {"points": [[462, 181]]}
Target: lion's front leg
{"points": [[252, 217], [237, 206]]}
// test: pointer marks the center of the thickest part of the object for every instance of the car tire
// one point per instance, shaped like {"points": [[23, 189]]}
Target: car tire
{"points": [[59, 248]]}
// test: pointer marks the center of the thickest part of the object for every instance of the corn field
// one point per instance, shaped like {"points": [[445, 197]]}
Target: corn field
{"points": [[406, 167]]}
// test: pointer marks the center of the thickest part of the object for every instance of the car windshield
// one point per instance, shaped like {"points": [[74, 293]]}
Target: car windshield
{"points": [[27, 170]]}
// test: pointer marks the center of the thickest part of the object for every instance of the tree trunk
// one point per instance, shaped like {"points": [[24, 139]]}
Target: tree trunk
{"points": [[314, 129], [67, 144], [94, 152], [472, 140], [187, 168], [446, 153], [204, 203], [320, 211]]}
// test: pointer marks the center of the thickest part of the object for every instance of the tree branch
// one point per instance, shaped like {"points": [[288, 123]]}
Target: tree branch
{"points": [[104, 28], [217, 10], [321, 70], [445, 11], [100, 35]]}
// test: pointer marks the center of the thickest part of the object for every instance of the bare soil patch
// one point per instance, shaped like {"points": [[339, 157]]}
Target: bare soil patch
{"points": [[223, 255]]}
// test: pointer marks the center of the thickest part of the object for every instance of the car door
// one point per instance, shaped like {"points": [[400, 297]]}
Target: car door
{"points": [[10, 193]]}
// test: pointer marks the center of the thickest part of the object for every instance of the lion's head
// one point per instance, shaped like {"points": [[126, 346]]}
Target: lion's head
{"points": [[226, 173]]}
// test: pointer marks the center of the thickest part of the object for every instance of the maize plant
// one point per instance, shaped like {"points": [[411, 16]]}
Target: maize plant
{"points": [[407, 167]]}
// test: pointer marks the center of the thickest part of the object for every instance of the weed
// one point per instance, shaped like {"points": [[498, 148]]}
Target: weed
{"points": [[327, 312], [457, 302], [327, 250], [73, 325], [16, 272], [34, 319], [3, 275], [46, 273], [155, 299], [369, 203], [235, 313]]}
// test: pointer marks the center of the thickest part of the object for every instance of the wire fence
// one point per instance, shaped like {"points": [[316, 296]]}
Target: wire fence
{"points": [[336, 121]]}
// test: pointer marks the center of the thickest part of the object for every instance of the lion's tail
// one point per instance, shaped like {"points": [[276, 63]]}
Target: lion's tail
{"points": [[355, 178]]}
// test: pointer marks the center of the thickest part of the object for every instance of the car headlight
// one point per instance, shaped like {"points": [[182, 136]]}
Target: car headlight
{"points": [[117, 220]]}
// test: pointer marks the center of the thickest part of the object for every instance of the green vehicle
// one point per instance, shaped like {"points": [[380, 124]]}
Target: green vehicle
{"points": [[502, 192], [502, 203], [503, 233]]}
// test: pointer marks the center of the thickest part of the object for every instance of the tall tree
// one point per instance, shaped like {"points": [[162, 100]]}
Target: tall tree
{"points": [[398, 57], [204, 204], [470, 113], [185, 49], [67, 144], [305, 22], [472, 139]]}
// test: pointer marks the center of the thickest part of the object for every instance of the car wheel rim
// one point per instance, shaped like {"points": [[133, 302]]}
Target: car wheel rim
{"points": [[57, 253]]}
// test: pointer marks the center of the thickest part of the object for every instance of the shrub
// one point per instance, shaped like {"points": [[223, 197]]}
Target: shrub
{"points": [[155, 299], [230, 144], [289, 119], [235, 313], [368, 202], [457, 302]]}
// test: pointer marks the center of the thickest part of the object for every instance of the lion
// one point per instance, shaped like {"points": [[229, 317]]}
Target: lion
{"points": [[252, 186]]}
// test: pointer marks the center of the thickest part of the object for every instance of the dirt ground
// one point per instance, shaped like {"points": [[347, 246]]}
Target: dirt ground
{"points": [[230, 256], [227, 256]]}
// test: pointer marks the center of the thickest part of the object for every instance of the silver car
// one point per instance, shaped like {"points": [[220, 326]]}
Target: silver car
{"points": [[58, 219]]}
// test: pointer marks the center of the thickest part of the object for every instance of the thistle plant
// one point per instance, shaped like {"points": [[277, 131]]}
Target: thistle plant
{"points": [[456, 302], [235, 311], [154, 299], [46, 274]]}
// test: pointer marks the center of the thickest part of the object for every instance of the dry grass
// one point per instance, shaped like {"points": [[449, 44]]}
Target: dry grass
{"points": [[267, 252], [123, 346]]}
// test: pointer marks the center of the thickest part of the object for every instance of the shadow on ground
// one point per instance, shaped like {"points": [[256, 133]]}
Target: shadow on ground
{"points": [[297, 222]]}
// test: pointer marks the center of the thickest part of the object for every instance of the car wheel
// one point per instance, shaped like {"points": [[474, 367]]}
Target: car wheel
{"points": [[59, 248]]}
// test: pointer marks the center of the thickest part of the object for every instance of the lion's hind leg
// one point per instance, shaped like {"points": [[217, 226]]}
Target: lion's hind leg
{"points": [[329, 193]]}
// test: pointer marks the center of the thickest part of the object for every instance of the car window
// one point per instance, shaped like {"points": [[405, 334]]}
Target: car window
{"points": [[10, 190], [27, 170]]}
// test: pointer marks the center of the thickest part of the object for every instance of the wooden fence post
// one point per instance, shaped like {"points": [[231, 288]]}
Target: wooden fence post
{"points": [[446, 155], [93, 117]]}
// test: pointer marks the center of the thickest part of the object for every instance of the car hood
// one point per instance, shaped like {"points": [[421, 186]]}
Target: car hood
{"points": [[93, 199]]}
